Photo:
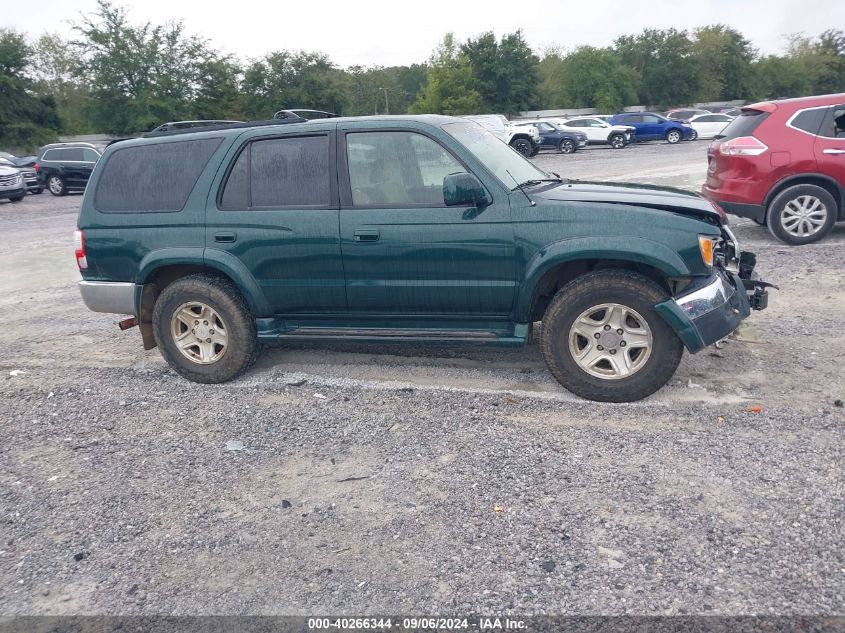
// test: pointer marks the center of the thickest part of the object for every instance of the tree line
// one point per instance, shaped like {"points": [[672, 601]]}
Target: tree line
{"points": [[117, 77]]}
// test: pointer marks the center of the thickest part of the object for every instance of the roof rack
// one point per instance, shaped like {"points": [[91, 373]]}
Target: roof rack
{"points": [[225, 126]]}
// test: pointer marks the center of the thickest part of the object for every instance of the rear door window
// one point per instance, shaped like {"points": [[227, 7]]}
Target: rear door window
{"points": [[74, 154], [291, 172], [833, 123], [152, 178]]}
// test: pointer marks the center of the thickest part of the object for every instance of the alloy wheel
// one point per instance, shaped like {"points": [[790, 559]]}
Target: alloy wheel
{"points": [[610, 341]]}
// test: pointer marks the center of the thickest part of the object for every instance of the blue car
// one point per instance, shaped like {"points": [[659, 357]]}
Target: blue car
{"points": [[654, 127]]}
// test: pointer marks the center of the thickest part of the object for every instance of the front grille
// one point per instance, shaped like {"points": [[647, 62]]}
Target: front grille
{"points": [[5, 181]]}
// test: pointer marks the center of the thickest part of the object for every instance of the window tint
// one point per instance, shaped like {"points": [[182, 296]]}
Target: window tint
{"points": [[150, 178], [810, 120], [744, 124], [833, 125], [73, 153], [545, 127], [51, 154], [236, 190], [90, 155], [401, 169], [708, 118], [288, 172], [576, 123], [650, 118]]}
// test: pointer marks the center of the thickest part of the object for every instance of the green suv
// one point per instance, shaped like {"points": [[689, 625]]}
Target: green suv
{"points": [[422, 229]]}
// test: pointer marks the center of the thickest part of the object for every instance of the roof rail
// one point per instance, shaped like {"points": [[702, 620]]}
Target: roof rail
{"points": [[225, 126]]}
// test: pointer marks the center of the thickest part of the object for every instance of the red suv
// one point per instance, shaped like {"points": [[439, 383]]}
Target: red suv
{"points": [[782, 164]]}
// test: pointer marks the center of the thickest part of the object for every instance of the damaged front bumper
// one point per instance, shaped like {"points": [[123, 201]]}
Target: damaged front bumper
{"points": [[715, 307]]}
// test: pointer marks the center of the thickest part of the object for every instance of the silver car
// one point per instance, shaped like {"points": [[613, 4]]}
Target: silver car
{"points": [[29, 174], [12, 185]]}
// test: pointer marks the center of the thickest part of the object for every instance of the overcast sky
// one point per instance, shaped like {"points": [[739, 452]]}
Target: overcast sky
{"points": [[394, 32]]}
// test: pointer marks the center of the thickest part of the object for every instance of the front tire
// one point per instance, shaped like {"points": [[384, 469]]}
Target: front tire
{"points": [[617, 141], [204, 329], [801, 214], [566, 146], [603, 340], [673, 136], [16, 199], [56, 186], [523, 146]]}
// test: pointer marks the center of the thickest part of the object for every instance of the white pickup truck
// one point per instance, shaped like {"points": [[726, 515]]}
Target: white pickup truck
{"points": [[524, 139]]}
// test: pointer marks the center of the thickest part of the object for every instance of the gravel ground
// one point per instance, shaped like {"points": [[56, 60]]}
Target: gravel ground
{"points": [[418, 480]]}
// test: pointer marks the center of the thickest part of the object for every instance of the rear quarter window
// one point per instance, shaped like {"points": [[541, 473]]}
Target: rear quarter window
{"points": [[152, 178]]}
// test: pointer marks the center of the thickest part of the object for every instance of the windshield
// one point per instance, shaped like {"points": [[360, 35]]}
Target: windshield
{"points": [[497, 156]]}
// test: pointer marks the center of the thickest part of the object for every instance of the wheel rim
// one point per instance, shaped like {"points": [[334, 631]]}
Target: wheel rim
{"points": [[673, 137], [199, 333], [610, 341], [617, 141], [803, 216], [55, 185], [566, 147], [523, 148]]}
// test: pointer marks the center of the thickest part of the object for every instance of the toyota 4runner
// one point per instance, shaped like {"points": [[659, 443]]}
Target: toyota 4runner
{"points": [[423, 229]]}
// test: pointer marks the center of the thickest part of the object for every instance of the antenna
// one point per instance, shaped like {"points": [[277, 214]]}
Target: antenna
{"points": [[518, 186]]}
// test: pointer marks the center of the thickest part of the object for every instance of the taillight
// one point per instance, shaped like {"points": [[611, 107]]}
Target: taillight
{"points": [[36, 167], [79, 240], [742, 146]]}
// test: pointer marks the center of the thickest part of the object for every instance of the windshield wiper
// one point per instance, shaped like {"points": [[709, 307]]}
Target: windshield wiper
{"points": [[536, 181]]}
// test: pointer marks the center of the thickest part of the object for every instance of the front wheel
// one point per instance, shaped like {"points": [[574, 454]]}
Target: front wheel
{"points": [[204, 329], [617, 141], [523, 146], [603, 340], [16, 199], [673, 136], [566, 146], [801, 214]]}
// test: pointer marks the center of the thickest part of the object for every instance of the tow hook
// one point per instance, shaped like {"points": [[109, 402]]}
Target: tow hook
{"points": [[759, 298]]}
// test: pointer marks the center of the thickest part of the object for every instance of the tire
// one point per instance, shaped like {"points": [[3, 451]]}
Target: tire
{"points": [[649, 335], [759, 222], [38, 191], [56, 186], [231, 348], [801, 214], [16, 199], [694, 136], [617, 141], [523, 146], [674, 136], [566, 147]]}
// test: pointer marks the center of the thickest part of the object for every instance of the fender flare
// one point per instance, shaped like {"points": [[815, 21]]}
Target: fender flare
{"points": [[635, 250], [214, 259]]}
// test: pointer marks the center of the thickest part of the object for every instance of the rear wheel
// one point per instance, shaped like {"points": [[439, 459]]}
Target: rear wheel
{"points": [[617, 141], [673, 136], [523, 146], [204, 329], [693, 136], [566, 146], [56, 186], [603, 340], [801, 214]]}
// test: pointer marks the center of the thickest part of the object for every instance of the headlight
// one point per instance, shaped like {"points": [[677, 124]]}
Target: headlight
{"points": [[707, 246]]}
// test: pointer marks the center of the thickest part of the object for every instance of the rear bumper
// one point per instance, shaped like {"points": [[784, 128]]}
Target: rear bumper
{"points": [[114, 297], [756, 212], [712, 310]]}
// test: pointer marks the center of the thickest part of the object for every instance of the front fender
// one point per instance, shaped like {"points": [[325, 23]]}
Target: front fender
{"points": [[627, 249]]}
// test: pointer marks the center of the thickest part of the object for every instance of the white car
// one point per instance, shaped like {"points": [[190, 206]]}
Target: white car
{"points": [[524, 140], [709, 125], [600, 132]]}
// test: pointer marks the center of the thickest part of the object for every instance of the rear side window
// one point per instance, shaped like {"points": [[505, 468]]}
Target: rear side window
{"points": [[74, 154], [152, 178], [833, 125], [809, 120], [280, 172], [743, 125]]}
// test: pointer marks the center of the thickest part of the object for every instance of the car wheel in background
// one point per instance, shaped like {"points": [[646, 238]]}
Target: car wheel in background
{"points": [[617, 141], [16, 199], [522, 146], [603, 340], [673, 136], [38, 191], [204, 329], [801, 214], [566, 146], [694, 136], [56, 186]]}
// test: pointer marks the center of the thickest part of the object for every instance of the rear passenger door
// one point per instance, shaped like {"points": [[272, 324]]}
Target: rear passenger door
{"points": [[73, 161], [830, 146], [276, 211]]}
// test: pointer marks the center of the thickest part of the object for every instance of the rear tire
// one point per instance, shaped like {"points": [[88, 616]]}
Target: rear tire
{"points": [[56, 186], [593, 360], [221, 342], [801, 214]]}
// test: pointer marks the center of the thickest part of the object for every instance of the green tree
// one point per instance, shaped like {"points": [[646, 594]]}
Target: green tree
{"points": [[27, 119], [595, 78], [665, 64], [450, 85], [505, 72], [57, 73], [725, 61]]}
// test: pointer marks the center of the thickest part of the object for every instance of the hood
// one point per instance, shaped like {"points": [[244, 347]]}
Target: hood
{"points": [[5, 170], [651, 196]]}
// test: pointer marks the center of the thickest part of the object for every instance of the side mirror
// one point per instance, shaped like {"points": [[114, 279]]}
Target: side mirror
{"points": [[463, 189]]}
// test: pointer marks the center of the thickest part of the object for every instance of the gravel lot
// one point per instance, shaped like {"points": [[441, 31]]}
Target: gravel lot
{"points": [[419, 480]]}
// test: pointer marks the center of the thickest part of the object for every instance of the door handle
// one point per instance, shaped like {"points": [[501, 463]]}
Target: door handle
{"points": [[226, 238], [366, 235], [833, 151]]}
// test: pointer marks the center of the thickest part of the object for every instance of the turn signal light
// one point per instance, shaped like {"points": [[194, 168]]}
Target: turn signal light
{"points": [[706, 245]]}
